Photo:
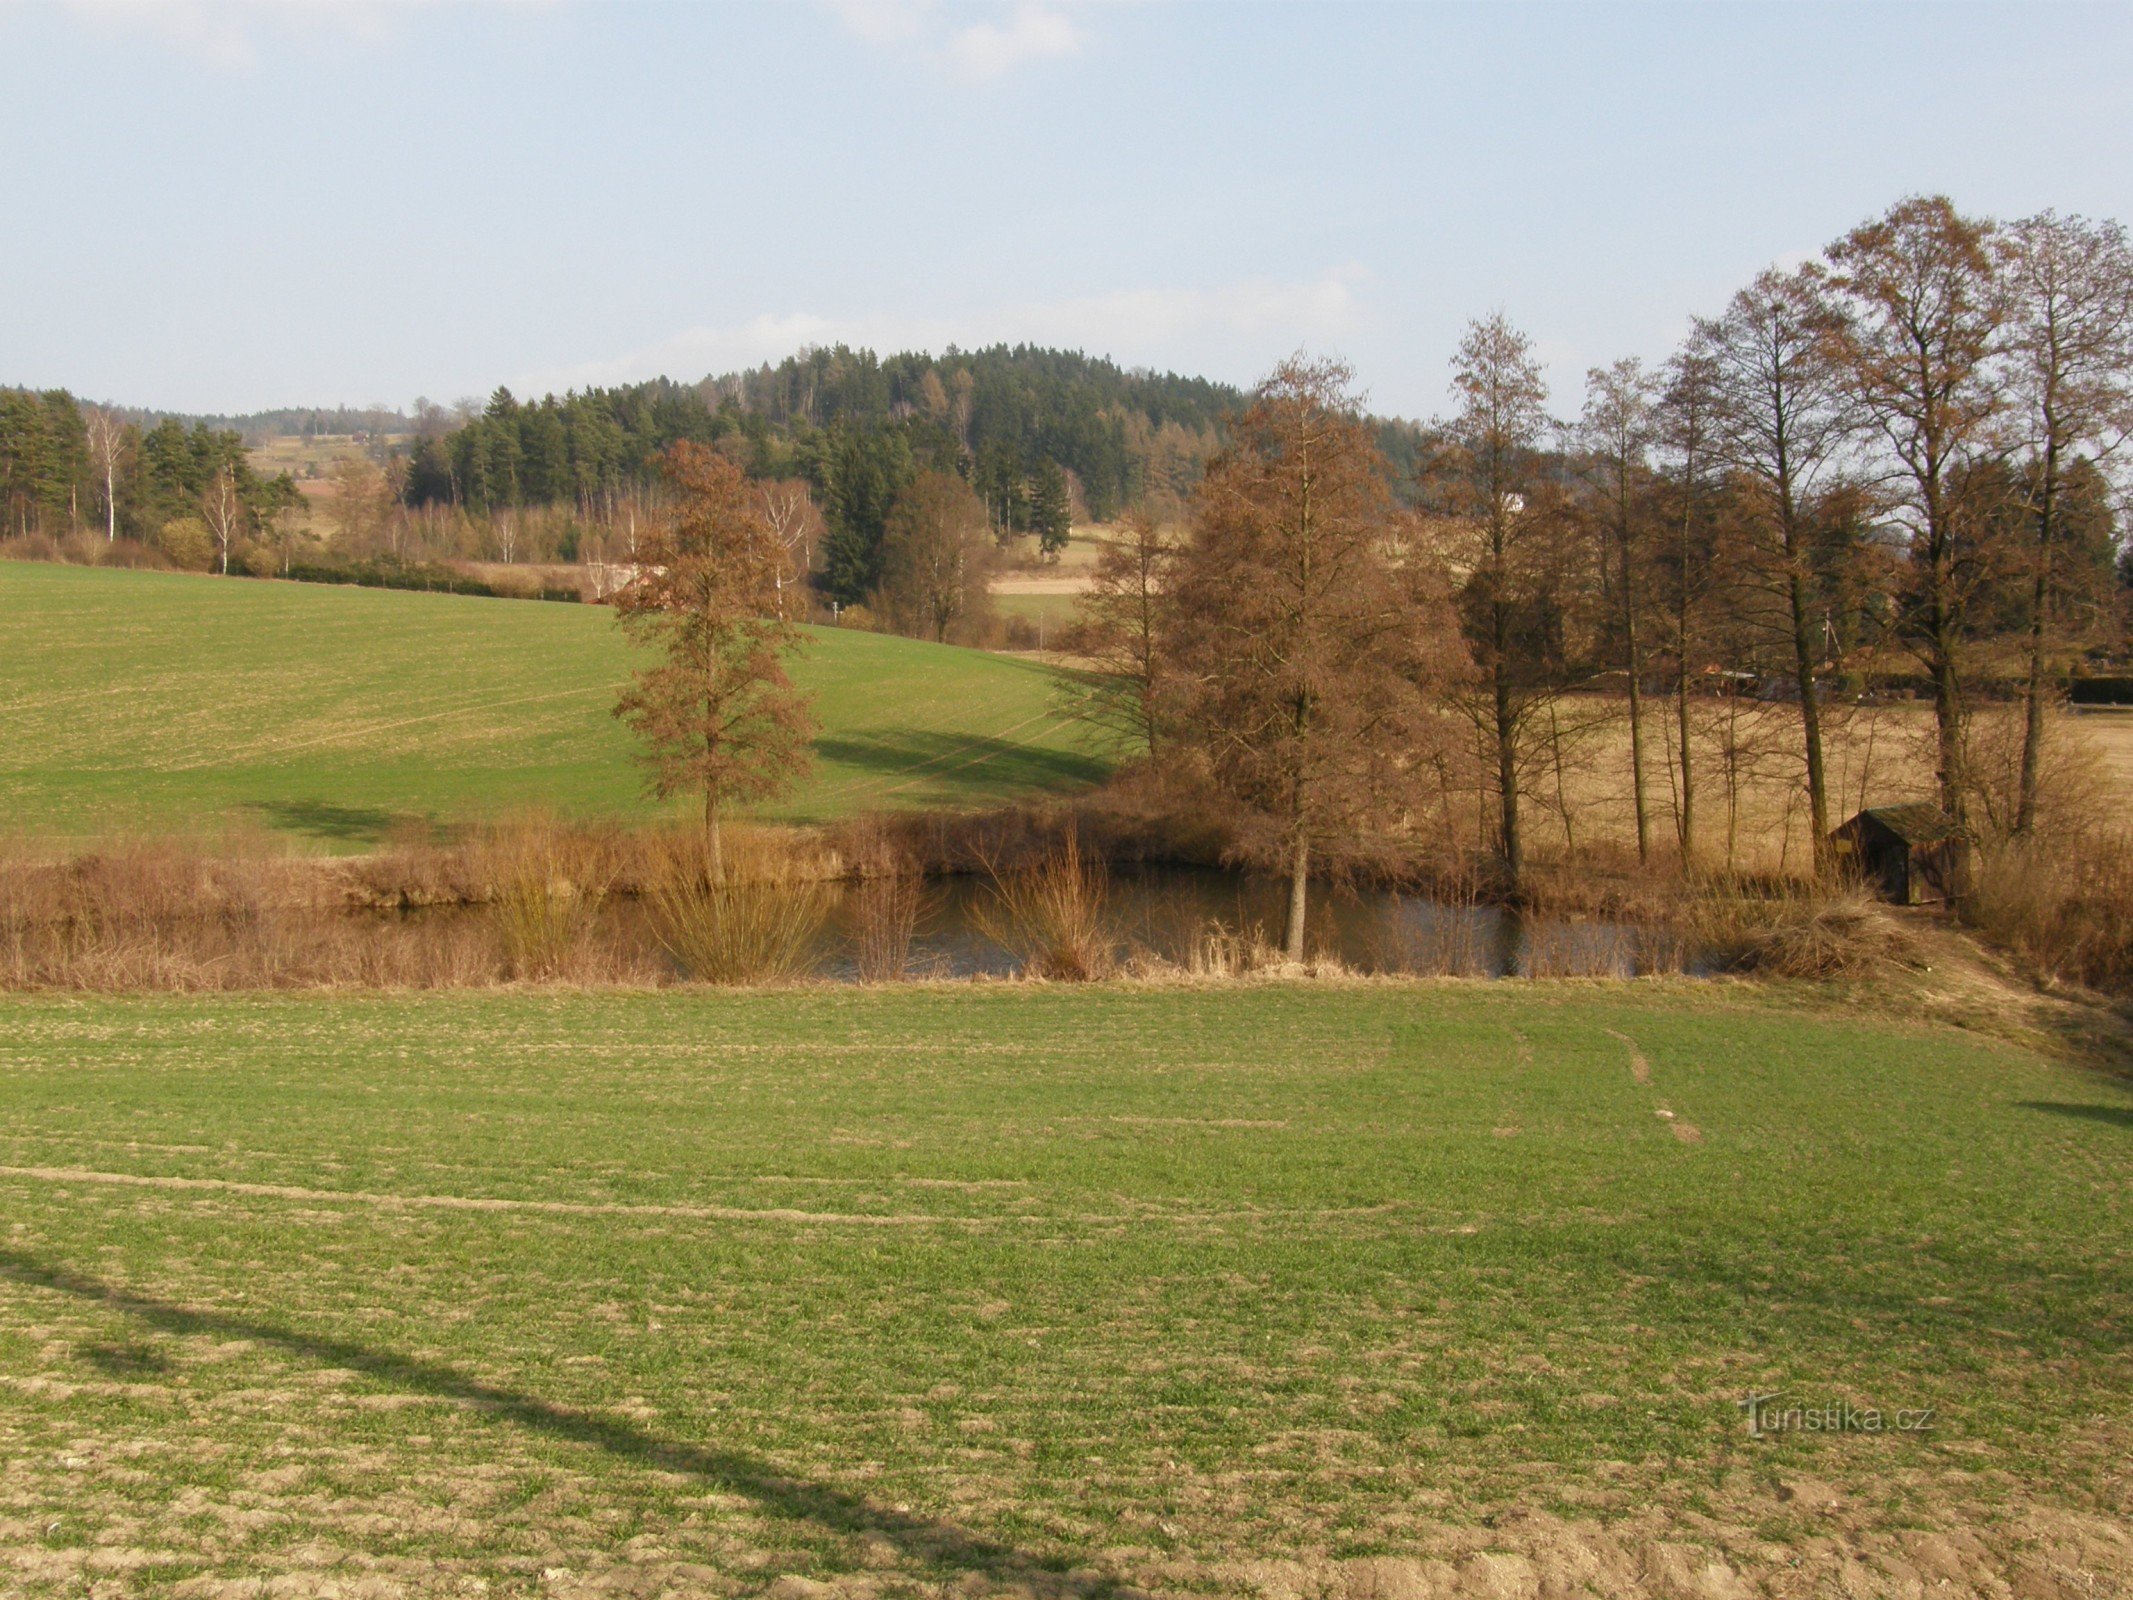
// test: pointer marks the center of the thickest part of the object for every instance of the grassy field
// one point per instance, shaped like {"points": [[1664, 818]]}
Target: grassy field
{"points": [[1271, 1290], [156, 701]]}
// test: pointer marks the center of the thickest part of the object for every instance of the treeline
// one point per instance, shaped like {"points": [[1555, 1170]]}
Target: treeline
{"points": [[1899, 461], [1019, 424], [69, 470]]}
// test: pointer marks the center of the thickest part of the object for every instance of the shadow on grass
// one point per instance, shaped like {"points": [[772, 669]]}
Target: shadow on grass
{"points": [[796, 1499], [322, 819], [2112, 1116], [946, 757]]}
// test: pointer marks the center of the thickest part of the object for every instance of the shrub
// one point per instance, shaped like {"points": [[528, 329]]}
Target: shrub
{"points": [[545, 889], [885, 913], [1050, 916], [755, 921], [187, 543]]}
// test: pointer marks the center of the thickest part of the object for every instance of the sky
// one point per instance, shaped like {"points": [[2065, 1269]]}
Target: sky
{"points": [[228, 205]]}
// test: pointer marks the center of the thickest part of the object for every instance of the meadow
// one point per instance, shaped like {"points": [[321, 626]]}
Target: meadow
{"points": [[159, 702], [1375, 1289]]}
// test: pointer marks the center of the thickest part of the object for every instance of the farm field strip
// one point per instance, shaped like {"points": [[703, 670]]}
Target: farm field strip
{"points": [[997, 1285]]}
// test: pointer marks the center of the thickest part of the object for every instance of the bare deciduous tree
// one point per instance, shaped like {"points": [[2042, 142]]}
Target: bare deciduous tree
{"points": [[937, 555], [789, 507], [1119, 629], [1922, 314], [1780, 422], [223, 509], [110, 447], [2069, 342], [1506, 555], [1685, 565], [1615, 435]]}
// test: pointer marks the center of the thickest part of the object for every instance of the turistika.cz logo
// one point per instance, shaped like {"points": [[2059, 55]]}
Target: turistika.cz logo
{"points": [[1768, 1414]]}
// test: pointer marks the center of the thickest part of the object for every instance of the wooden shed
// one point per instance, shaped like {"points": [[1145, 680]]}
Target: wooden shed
{"points": [[1915, 854]]}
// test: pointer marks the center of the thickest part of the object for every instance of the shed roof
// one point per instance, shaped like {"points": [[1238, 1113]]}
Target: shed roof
{"points": [[1915, 824]]}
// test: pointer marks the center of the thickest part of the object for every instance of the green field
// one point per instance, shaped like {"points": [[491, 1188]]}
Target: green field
{"points": [[678, 1294], [152, 701]]}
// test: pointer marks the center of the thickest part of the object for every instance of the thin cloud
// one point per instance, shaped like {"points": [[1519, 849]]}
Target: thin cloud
{"points": [[994, 45], [230, 34], [1033, 33], [1237, 328]]}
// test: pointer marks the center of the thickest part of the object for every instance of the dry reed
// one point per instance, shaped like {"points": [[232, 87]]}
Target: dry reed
{"points": [[753, 920], [2067, 907], [1051, 915]]}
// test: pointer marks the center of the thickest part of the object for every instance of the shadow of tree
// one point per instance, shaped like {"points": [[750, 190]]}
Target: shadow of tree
{"points": [[2113, 1116], [322, 819], [926, 757], [937, 1543]]}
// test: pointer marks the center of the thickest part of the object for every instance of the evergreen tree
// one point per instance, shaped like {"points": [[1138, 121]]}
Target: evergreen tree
{"points": [[865, 471], [1051, 509]]}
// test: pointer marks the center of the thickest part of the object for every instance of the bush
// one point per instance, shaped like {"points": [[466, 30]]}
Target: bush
{"points": [[546, 886], [752, 921], [885, 913], [187, 543], [1050, 916]]}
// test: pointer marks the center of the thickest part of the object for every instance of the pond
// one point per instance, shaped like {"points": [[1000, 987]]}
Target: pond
{"points": [[1171, 913]]}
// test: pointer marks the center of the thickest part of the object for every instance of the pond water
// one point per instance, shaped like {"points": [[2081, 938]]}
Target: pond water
{"points": [[1171, 912]]}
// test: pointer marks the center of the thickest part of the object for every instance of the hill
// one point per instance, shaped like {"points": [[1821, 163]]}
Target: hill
{"points": [[140, 701]]}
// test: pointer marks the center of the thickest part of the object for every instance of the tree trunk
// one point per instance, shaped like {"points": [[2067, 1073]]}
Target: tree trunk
{"points": [[712, 844], [1292, 942], [1688, 773], [1636, 711], [1512, 845], [1803, 666], [2033, 694]]}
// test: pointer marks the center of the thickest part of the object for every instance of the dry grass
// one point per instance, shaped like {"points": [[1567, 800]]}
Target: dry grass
{"points": [[2067, 907], [1795, 929]]}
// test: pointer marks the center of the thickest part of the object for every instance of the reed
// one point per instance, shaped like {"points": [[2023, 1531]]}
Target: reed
{"points": [[1051, 915], [754, 920]]}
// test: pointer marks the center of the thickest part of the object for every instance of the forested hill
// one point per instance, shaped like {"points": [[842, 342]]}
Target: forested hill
{"points": [[1003, 417], [1025, 425]]}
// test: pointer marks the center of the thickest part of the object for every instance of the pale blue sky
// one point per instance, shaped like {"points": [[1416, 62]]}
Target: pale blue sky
{"points": [[266, 202]]}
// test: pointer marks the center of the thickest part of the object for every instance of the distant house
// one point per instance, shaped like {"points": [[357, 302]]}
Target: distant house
{"points": [[1914, 854]]}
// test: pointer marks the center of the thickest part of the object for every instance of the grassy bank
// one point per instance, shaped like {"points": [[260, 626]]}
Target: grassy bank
{"points": [[158, 703], [1169, 1288]]}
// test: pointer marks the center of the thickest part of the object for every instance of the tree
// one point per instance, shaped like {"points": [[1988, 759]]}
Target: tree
{"points": [[110, 450], [1485, 476], [717, 712], [1616, 435], [2070, 345], [865, 472], [1120, 629], [1051, 514], [222, 508], [1922, 314], [936, 559], [1685, 563], [1780, 422], [1304, 647], [789, 507]]}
